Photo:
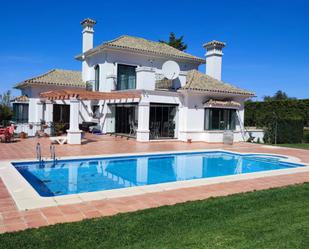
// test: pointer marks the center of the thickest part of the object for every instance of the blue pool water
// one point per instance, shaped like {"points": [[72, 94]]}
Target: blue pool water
{"points": [[88, 175]]}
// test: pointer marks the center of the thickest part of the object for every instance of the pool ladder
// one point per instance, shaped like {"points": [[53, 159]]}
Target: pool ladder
{"points": [[38, 153], [52, 153]]}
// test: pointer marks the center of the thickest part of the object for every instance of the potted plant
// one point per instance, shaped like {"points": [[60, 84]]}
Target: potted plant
{"points": [[23, 135], [59, 128], [43, 125]]}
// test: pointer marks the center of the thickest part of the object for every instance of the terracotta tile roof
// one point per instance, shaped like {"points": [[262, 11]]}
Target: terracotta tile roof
{"points": [[221, 103], [56, 77], [88, 21], [141, 45], [214, 43], [198, 81], [90, 95]]}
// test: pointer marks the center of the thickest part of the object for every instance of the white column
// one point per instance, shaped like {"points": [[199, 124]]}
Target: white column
{"points": [[48, 115], [38, 117], [39, 113], [74, 133], [142, 133]]}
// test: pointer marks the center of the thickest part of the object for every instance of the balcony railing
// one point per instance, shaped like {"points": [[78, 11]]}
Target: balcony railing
{"points": [[164, 84]]}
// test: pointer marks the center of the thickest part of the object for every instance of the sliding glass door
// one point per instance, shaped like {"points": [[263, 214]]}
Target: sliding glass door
{"points": [[162, 121], [126, 119]]}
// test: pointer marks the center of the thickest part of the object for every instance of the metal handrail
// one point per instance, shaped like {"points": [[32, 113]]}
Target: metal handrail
{"points": [[38, 152], [52, 152]]}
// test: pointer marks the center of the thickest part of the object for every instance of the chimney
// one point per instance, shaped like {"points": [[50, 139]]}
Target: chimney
{"points": [[214, 58], [87, 33]]}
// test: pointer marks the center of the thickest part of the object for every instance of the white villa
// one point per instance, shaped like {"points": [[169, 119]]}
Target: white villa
{"points": [[137, 88]]}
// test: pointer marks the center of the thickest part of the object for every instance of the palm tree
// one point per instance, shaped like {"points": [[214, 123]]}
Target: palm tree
{"points": [[176, 42]]}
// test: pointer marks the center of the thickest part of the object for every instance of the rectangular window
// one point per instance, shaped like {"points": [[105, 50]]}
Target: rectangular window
{"points": [[126, 77], [95, 111], [21, 112], [61, 114], [97, 78], [220, 119]]}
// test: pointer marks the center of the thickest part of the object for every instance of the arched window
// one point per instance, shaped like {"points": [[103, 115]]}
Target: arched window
{"points": [[96, 78]]}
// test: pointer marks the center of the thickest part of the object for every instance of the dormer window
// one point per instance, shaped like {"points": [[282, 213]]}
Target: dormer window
{"points": [[96, 78], [126, 77]]}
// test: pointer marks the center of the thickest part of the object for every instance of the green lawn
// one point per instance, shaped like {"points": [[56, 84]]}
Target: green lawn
{"points": [[277, 218], [297, 146]]}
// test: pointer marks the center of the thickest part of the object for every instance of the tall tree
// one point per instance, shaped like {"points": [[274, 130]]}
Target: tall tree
{"points": [[177, 43], [5, 106], [279, 95], [5, 98]]}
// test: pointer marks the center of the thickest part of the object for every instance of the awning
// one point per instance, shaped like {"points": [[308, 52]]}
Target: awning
{"points": [[89, 95], [222, 103]]}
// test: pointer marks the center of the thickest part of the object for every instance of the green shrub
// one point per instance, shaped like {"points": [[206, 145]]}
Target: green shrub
{"points": [[285, 131], [258, 113], [5, 114], [306, 136]]}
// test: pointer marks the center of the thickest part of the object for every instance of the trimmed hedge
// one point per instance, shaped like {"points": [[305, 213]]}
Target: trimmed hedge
{"points": [[259, 113], [306, 136], [285, 131]]}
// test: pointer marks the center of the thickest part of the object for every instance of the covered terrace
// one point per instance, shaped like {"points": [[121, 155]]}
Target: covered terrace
{"points": [[78, 98]]}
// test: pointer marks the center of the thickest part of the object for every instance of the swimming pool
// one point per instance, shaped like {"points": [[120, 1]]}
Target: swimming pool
{"points": [[88, 175]]}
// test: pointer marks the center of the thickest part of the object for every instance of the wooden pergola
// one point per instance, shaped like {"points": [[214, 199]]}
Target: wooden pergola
{"points": [[89, 95]]}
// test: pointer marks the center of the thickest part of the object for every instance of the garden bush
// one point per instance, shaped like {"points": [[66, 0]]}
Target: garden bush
{"points": [[306, 136], [285, 131], [259, 113]]}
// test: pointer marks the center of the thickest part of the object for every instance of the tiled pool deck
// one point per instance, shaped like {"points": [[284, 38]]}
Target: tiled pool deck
{"points": [[11, 219]]}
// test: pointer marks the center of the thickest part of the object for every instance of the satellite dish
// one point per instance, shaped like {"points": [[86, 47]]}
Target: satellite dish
{"points": [[170, 70]]}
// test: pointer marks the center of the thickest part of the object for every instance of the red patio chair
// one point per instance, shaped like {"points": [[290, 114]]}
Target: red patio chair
{"points": [[7, 136]]}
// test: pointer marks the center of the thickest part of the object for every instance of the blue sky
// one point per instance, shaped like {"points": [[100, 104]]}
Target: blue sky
{"points": [[267, 41]]}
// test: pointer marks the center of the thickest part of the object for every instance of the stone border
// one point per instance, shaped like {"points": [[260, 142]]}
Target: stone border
{"points": [[26, 197]]}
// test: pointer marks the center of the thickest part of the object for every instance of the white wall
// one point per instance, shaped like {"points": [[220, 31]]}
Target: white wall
{"points": [[214, 66], [149, 67], [192, 115]]}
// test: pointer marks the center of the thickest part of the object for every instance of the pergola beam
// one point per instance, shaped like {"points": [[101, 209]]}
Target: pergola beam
{"points": [[88, 95]]}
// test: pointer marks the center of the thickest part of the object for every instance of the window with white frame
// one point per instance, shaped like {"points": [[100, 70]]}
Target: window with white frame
{"points": [[21, 112], [126, 77], [220, 119], [97, 78]]}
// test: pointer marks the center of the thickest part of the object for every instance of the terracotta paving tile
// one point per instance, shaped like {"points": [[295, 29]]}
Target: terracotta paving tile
{"points": [[108, 211], [37, 223], [74, 217], [10, 214], [69, 209], [13, 220], [51, 212], [92, 214], [15, 227], [85, 207], [55, 220]]}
